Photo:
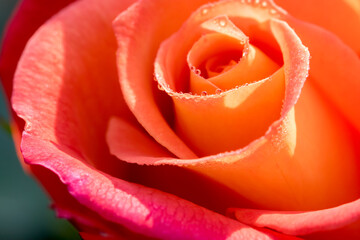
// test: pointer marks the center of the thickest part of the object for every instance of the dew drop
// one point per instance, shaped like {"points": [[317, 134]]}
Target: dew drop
{"points": [[197, 71], [156, 77], [257, 1], [203, 93], [160, 87], [192, 68], [204, 11], [264, 4], [222, 23], [218, 91], [272, 11]]}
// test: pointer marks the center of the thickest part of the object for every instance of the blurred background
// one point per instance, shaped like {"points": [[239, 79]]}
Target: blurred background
{"points": [[25, 212]]}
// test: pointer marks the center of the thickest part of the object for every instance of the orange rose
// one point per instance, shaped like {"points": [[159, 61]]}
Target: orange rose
{"points": [[250, 124]]}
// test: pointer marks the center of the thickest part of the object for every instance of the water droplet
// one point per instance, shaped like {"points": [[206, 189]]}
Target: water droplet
{"points": [[192, 68], [257, 1], [156, 77], [197, 71], [218, 91], [264, 4], [204, 11], [203, 93], [272, 11], [160, 87], [222, 23]]}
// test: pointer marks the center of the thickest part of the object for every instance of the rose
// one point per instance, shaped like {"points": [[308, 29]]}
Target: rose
{"points": [[51, 143], [68, 93]]}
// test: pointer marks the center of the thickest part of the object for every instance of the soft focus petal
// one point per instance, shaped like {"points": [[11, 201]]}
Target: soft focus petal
{"points": [[341, 17]]}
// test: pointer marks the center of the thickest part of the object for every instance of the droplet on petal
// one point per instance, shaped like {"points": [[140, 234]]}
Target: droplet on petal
{"points": [[203, 93], [204, 11], [272, 11], [160, 87], [218, 91], [222, 23]]}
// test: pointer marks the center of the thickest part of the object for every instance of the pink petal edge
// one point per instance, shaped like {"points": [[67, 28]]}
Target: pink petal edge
{"points": [[140, 209]]}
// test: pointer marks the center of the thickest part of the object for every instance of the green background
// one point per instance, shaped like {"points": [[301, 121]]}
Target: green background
{"points": [[24, 207]]}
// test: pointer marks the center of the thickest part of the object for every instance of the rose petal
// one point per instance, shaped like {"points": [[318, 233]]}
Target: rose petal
{"points": [[345, 24], [140, 209], [65, 93], [30, 14], [305, 223], [128, 142], [339, 83], [66, 206], [136, 71]]}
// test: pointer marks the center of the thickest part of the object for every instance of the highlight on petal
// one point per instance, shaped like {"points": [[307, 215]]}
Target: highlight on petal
{"points": [[305, 223], [140, 209], [75, 93]]}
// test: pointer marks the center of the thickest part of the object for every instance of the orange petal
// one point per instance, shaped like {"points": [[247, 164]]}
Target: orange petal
{"points": [[228, 41], [132, 145], [135, 63], [231, 120], [341, 17], [334, 68]]}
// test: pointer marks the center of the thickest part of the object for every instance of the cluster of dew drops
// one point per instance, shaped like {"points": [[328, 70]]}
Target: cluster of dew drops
{"points": [[221, 23]]}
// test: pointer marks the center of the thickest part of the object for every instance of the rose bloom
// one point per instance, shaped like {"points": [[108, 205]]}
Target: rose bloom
{"points": [[233, 119]]}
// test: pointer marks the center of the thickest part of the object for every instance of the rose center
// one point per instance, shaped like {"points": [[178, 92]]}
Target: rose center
{"points": [[220, 63]]}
